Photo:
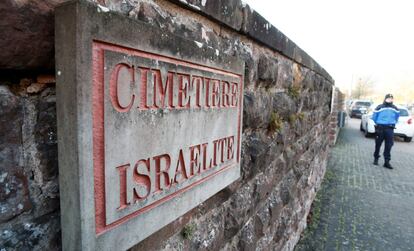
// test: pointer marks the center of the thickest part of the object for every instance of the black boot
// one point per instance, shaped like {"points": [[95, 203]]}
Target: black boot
{"points": [[388, 165], [375, 162]]}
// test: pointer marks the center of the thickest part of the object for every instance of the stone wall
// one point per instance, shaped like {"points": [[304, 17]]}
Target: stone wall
{"points": [[286, 124], [29, 189], [338, 105]]}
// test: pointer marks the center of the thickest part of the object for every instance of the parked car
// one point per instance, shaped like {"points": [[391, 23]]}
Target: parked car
{"points": [[359, 108], [404, 128], [348, 104]]}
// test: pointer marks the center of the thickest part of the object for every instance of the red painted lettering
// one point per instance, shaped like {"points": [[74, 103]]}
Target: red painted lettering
{"points": [[215, 96], [113, 87], [162, 172], [161, 88], [204, 150], [230, 144], [151, 179], [197, 82], [207, 88], [123, 200], [143, 87], [183, 85], [222, 141], [142, 177], [225, 97], [215, 144], [180, 171], [195, 165], [233, 94]]}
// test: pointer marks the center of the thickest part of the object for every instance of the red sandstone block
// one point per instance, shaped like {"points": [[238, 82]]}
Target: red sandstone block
{"points": [[46, 79]]}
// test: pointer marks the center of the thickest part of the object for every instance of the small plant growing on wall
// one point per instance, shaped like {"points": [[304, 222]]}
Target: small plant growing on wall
{"points": [[275, 122], [292, 119], [293, 91], [188, 231], [295, 117]]}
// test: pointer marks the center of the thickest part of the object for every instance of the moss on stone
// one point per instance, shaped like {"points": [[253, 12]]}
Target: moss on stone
{"points": [[296, 116], [275, 122], [188, 231], [292, 119], [294, 91]]}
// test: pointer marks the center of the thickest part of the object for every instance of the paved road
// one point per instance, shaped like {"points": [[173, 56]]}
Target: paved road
{"points": [[361, 206]]}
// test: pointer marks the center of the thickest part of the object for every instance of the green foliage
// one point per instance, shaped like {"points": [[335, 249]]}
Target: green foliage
{"points": [[293, 91], [297, 116], [275, 122], [292, 119], [188, 231]]}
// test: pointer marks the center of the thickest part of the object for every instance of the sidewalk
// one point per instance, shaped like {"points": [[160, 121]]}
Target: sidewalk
{"points": [[361, 206]]}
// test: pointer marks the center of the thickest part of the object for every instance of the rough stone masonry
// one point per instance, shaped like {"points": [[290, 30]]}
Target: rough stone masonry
{"points": [[286, 117]]}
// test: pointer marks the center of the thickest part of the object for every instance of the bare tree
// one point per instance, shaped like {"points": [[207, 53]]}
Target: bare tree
{"points": [[362, 88], [405, 92]]}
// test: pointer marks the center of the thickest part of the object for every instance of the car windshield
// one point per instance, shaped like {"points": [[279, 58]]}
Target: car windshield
{"points": [[359, 103], [403, 112]]}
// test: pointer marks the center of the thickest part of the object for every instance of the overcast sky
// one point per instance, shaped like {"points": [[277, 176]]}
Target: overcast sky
{"points": [[350, 38]]}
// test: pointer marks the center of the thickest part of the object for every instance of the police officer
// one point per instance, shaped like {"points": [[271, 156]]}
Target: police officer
{"points": [[385, 117]]}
